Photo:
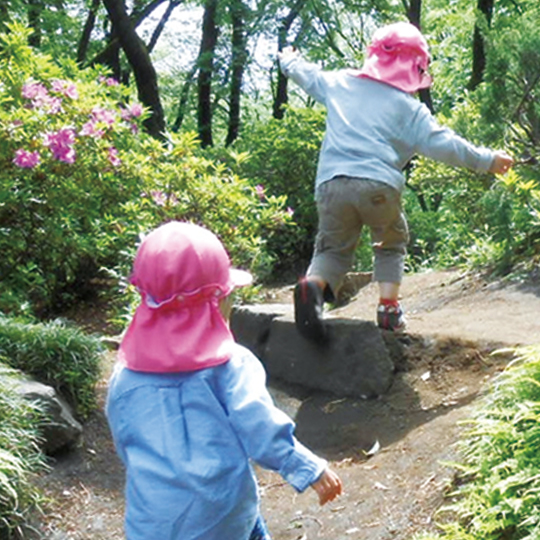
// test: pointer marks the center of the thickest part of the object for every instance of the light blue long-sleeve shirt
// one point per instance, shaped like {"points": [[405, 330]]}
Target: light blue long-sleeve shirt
{"points": [[374, 129], [187, 439]]}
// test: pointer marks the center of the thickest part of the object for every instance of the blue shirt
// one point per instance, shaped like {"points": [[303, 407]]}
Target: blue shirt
{"points": [[374, 129], [187, 439]]}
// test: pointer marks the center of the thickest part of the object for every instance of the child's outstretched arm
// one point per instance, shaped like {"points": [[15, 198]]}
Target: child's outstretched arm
{"points": [[501, 163], [328, 486], [307, 75], [287, 53]]}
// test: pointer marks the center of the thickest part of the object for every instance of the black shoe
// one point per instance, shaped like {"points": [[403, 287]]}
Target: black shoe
{"points": [[308, 309]]}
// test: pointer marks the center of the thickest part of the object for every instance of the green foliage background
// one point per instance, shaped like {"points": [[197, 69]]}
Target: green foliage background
{"points": [[66, 226]]}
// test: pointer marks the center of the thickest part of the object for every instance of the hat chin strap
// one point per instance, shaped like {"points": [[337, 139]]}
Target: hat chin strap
{"points": [[184, 300]]}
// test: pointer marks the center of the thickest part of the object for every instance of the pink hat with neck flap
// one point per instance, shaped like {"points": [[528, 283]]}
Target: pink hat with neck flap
{"points": [[398, 56], [181, 271]]}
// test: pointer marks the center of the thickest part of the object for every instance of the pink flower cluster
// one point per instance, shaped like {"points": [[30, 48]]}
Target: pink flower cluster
{"points": [[61, 143], [161, 198], [106, 116], [112, 155], [259, 190], [65, 88], [25, 159], [108, 81], [40, 98], [134, 110]]}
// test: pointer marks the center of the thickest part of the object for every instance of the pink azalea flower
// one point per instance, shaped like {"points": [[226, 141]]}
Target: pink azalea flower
{"points": [[114, 160], [103, 115], [90, 129], [62, 137], [109, 81], [34, 90], [290, 211], [136, 110], [132, 111], [40, 98], [53, 105], [66, 88], [259, 190], [25, 159], [67, 155], [159, 197], [61, 144]]}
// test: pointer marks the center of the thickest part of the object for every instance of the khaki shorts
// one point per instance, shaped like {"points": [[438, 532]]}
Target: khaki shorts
{"points": [[345, 204]]}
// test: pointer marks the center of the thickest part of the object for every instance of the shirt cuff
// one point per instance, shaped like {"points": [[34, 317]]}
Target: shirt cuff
{"points": [[302, 468]]}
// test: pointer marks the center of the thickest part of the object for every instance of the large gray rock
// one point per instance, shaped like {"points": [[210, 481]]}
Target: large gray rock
{"points": [[355, 362], [251, 325], [61, 429]]}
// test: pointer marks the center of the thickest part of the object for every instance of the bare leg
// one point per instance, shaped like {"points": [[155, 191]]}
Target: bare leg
{"points": [[389, 291], [318, 280]]}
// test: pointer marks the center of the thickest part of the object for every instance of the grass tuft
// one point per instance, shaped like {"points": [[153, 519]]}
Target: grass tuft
{"points": [[498, 492], [54, 354], [20, 457]]}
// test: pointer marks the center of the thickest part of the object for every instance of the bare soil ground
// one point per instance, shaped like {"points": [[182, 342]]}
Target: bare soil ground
{"points": [[392, 453]]}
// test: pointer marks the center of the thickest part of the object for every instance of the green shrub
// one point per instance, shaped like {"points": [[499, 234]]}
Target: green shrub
{"points": [[67, 172], [80, 183], [57, 355], [20, 457], [282, 161], [499, 495], [187, 185]]}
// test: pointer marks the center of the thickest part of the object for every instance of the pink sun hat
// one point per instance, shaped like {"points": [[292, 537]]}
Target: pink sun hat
{"points": [[181, 271], [398, 56]]}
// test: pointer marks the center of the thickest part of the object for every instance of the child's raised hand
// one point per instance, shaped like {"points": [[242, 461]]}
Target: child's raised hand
{"points": [[501, 163], [287, 52], [328, 486]]}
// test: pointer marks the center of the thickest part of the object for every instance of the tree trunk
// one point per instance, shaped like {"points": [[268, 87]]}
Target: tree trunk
{"points": [[35, 8], [139, 60], [161, 25], [206, 63], [184, 95], [238, 62], [4, 16], [281, 97], [87, 31], [414, 14], [479, 45], [113, 46]]}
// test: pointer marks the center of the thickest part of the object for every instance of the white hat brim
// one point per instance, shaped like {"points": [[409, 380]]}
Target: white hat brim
{"points": [[240, 278]]}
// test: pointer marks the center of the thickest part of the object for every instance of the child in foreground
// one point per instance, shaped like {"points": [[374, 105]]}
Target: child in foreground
{"points": [[188, 407], [374, 126]]}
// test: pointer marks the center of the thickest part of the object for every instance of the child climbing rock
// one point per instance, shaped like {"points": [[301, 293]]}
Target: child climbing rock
{"points": [[374, 127]]}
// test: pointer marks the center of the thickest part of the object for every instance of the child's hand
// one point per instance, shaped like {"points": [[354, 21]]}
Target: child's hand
{"points": [[501, 163], [328, 486], [287, 52]]}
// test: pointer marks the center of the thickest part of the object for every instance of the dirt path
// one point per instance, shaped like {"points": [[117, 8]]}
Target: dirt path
{"points": [[455, 322]]}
